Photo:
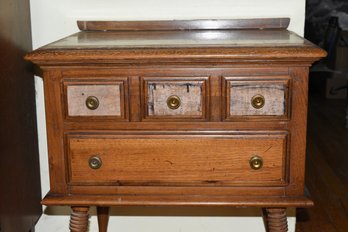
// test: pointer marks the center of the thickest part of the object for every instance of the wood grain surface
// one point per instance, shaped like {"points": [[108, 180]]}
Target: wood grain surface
{"points": [[176, 200], [178, 160]]}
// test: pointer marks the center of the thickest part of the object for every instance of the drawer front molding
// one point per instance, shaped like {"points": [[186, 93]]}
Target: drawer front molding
{"points": [[97, 99], [262, 98], [175, 98], [178, 159]]}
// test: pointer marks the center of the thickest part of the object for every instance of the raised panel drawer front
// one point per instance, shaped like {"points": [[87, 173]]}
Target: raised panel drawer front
{"points": [[95, 99], [257, 98], [175, 98], [178, 160]]}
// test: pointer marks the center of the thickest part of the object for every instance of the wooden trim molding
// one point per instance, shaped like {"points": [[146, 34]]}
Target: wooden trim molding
{"points": [[201, 24]]}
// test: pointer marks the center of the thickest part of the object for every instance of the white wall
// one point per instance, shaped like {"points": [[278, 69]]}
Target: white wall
{"points": [[52, 20]]}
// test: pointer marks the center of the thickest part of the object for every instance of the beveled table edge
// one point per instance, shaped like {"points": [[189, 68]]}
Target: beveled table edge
{"points": [[175, 200]]}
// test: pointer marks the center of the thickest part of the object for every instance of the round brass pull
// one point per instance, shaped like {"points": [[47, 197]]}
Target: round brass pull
{"points": [[256, 162], [258, 101], [95, 162], [92, 102], [173, 102]]}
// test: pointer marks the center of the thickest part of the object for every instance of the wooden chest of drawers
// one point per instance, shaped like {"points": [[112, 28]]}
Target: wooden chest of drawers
{"points": [[185, 113]]}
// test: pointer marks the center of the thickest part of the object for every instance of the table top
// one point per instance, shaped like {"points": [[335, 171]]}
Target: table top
{"points": [[179, 39], [189, 40]]}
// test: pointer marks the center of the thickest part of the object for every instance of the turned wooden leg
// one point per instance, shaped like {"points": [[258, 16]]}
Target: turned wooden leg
{"points": [[275, 219], [103, 218], [79, 219], [264, 217]]}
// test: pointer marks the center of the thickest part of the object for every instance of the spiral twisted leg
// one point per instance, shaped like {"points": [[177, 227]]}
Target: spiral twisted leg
{"points": [[276, 220], [79, 219]]}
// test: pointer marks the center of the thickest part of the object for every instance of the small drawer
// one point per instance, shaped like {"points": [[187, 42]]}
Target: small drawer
{"points": [[258, 98], [178, 160], [99, 99], [175, 98]]}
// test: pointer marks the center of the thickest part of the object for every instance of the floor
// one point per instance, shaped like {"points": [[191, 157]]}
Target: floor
{"points": [[327, 168]]}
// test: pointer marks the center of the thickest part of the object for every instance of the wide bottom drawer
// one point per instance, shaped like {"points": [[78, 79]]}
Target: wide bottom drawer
{"points": [[225, 159]]}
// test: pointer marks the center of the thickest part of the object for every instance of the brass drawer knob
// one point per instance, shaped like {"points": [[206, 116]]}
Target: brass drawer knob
{"points": [[173, 102], [256, 162], [258, 101], [95, 162], [92, 102]]}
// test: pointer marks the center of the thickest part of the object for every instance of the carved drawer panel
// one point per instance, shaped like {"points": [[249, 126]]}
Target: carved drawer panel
{"points": [[95, 99], [175, 98], [176, 160], [257, 98]]}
